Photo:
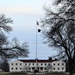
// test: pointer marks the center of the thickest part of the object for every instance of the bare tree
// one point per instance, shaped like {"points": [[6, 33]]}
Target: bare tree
{"points": [[4, 66], [10, 49], [59, 30]]}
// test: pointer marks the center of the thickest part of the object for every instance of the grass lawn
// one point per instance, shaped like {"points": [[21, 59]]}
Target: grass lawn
{"points": [[5, 73]]}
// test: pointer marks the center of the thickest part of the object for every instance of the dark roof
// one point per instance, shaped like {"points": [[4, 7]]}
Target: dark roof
{"points": [[37, 60]]}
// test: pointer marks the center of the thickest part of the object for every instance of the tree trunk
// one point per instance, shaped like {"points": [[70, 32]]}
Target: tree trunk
{"points": [[71, 72], [71, 67]]}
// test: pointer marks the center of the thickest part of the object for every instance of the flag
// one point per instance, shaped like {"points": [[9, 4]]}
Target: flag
{"points": [[37, 23], [39, 30]]}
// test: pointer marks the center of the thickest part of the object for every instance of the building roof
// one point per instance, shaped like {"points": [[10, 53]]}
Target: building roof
{"points": [[37, 60]]}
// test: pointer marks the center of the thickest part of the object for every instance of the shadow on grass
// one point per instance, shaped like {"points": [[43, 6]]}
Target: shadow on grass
{"points": [[56, 73], [7, 73], [32, 74]]}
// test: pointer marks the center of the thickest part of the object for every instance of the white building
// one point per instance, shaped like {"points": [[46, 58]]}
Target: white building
{"points": [[42, 66]]}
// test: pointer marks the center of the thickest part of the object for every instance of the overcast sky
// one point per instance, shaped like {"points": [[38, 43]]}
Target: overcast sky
{"points": [[24, 14]]}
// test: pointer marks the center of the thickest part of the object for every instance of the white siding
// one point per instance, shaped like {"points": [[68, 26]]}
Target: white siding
{"points": [[16, 66], [56, 66]]}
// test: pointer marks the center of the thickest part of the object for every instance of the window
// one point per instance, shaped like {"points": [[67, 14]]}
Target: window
{"points": [[41, 68], [62, 68], [41, 63], [33, 63], [29, 68], [49, 64], [25, 64], [58, 64], [33, 68], [12, 68], [62, 63], [53, 68], [20, 68], [37, 63], [29, 63], [16, 63], [45, 68], [54, 64], [11, 63], [45, 63], [58, 68], [20, 63], [38, 68], [16, 68]]}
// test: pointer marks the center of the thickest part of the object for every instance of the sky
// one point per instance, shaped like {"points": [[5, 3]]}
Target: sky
{"points": [[24, 14]]}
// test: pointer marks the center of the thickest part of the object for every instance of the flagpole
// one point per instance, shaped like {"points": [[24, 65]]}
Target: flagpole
{"points": [[36, 41], [36, 45], [37, 23]]}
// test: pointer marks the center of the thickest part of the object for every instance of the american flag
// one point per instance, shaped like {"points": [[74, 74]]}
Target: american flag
{"points": [[37, 23]]}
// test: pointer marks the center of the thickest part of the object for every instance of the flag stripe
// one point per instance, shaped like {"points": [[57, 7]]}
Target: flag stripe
{"points": [[37, 23], [39, 30]]}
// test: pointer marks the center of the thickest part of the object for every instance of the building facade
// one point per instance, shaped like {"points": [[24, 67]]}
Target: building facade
{"points": [[41, 65]]}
